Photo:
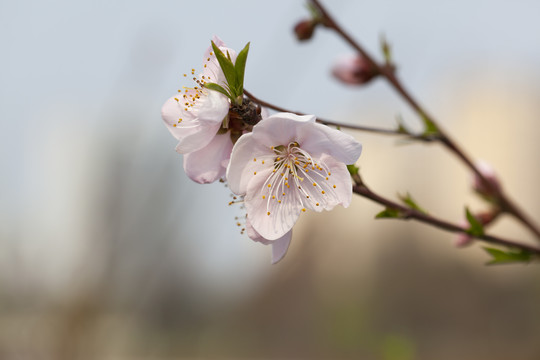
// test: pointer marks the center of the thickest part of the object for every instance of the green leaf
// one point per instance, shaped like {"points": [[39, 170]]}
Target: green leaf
{"points": [[353, 169], [430, 129], [240, 66], [402, 129], [507, 257], [409, 201], [216, 87], [228, 69], [385, 48], [476, 229], [389, 213]]}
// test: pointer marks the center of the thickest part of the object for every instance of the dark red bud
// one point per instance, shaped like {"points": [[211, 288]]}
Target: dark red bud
{"points": [[304, 29]]}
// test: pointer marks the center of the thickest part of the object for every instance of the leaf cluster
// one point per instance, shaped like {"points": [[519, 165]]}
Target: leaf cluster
{"points": [[234, 74]]}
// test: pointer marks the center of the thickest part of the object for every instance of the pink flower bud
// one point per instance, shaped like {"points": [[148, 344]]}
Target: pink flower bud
{"points": [[304, 29], [492, 187], [354, 70], [485, 218], [463, 239]]}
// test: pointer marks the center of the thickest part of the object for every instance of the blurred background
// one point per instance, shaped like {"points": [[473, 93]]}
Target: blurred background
{"points": [[108, 251]]}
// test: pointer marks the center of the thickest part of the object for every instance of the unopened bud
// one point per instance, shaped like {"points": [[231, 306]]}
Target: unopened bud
{"points": [[355, 70], [463, 239], [485, 218], [304, 29], [490, 187]]}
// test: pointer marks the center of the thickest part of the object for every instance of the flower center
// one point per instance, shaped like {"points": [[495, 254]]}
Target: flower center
{"points": [[296, 177]]}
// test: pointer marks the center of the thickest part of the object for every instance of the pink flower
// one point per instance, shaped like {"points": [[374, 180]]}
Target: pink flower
{"points": [[288, 164], [354, 70], [194, 117]]}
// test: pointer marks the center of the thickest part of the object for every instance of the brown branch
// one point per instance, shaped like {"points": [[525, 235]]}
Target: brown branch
{"points": [[343, 125], [505, 203], [360, 188]]}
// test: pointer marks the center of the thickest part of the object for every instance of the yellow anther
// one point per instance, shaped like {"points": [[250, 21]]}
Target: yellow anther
{"points": [[263, 162], [268, 213], [174, 125], [329, 174], [254, 173], [314, 184], [304, 209], [176, 99], [279, 201], [273, 196], [322, 192], [269, 185], [317, 204], [327, 178], [185, 75], [254, 159], [264, 197], [334, 186]]}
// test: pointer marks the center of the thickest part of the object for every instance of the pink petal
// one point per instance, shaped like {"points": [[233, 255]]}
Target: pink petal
{"points": [[269, 218], [318, 139], [207, 164], [212, 108], [171, 112], [280, 128], [199, 125], [246, 161], [337, 189], [197, 139], [279, 246]]}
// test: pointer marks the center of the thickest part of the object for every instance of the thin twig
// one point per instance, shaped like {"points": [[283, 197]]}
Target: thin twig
{"points": [[505, 203], [342, 125], [360, 188]]}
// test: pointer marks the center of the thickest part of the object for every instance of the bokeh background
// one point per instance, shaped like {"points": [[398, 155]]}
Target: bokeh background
{"points": [[108, 251]]}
